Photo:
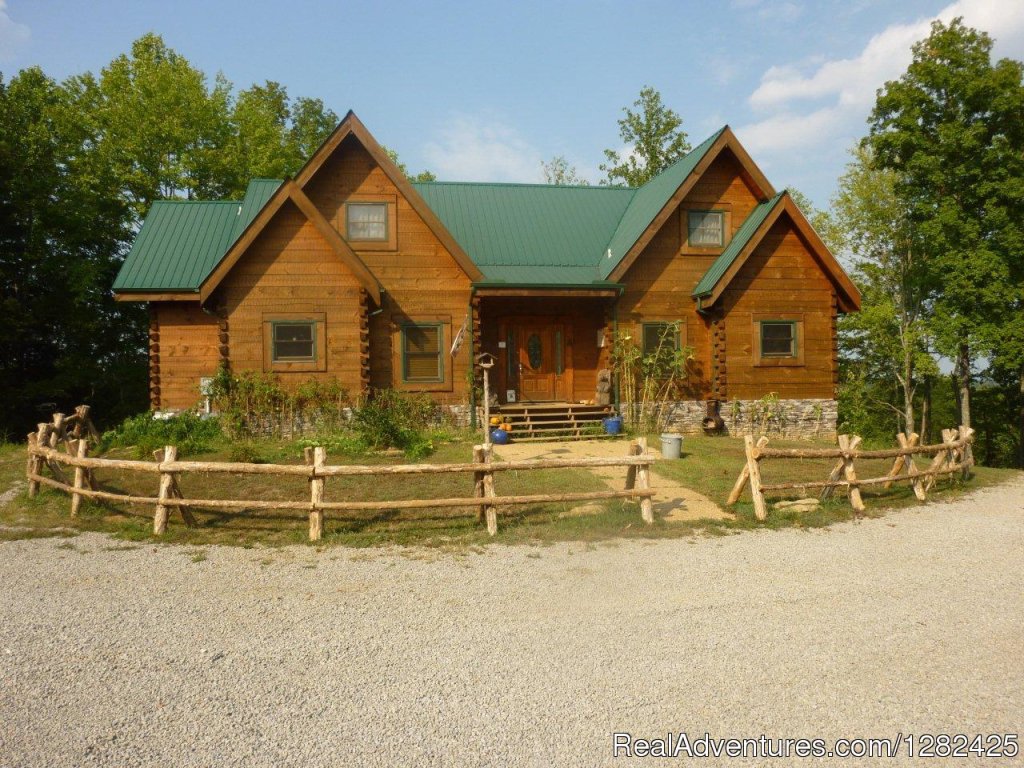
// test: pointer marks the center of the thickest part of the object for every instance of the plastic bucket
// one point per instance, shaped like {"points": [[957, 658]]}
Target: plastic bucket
{"points": [[671, 446], [499, 436], [613, 425]]}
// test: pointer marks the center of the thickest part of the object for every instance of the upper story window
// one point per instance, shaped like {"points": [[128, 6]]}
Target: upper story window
{"points": [[367, 221], [706, 229]]}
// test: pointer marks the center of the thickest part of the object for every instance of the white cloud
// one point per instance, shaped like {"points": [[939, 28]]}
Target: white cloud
{"points": [[475, 149], [839, 92], [13, 36]]}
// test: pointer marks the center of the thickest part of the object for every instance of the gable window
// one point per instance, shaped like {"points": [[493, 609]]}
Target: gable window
{"points": [[422, 352], [660, 335], [293, 342], [705, 229], [778, 338], [367, 221]]}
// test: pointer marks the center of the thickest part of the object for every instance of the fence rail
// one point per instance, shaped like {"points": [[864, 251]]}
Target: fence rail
{"points": [[44, 452], [950, 457]]}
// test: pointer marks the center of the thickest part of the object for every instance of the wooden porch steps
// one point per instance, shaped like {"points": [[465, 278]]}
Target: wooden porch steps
{"points": [[555, 421]]}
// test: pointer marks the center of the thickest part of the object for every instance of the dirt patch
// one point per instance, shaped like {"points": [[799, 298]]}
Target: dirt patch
{"points": [[673, 502]]}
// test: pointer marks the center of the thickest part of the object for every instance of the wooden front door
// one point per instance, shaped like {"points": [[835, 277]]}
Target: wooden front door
{"points": [[541, 350]]}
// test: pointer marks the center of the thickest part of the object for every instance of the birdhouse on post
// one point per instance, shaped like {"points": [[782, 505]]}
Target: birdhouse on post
{"points": [[486, 361]]}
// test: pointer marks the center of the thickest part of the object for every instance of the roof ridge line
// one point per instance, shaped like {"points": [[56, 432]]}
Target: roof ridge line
{"points": [[524, 184]]}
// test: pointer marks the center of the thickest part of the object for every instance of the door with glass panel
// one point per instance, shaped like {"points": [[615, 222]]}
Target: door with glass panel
{"points": [[542, 354]]}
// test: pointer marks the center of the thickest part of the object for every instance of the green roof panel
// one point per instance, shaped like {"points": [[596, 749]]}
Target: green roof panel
{"points": [[739, 241], [529, 233], [181, 241], [648, 201]]}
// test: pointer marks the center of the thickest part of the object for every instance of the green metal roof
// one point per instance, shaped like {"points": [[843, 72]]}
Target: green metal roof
{"points": [[181, 241], [522, 234], [739, 241], [648, 201], [529, 233]]}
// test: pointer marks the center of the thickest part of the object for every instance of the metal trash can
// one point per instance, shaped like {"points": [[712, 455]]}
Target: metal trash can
{"points": [[671, 446]]}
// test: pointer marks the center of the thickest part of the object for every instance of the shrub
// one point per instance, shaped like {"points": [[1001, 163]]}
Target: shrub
{"points": [[391, 419], [188, 431]]}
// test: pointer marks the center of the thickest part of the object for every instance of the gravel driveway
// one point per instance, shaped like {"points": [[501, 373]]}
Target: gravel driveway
{"points": [[517, 656]]}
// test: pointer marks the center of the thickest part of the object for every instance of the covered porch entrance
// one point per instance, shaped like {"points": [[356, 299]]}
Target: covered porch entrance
{"points": [[549, 346]]}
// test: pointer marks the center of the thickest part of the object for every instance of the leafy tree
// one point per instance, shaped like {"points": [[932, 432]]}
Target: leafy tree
{"points": [[559, 172], [63, 228], [890, 335], [162, 129], [952, 130], [260, 145], [419, 177], [655, 137], [311, 124]]}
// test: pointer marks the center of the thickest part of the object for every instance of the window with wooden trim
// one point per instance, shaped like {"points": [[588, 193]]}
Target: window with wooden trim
{"points": [[705, 229], [294, 341], [778, 338], [663, 336], [422, 353], [366, 222]]}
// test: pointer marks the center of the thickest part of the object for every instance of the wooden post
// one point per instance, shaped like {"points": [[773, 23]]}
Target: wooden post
{"points": [[643, 482], [479, 457], [316, 495], [900, 461], [942, 459], [487, 406], [967, 455], [166, 484], [81, 450], [490, 510], [837, 471], [36, 462], [847, 446], [58, 430], [741, 481], [754, 475], [186, 513], [634, 450]]}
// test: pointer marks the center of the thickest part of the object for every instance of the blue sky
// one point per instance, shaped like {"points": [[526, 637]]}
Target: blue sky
{"points": [[485, 91]]}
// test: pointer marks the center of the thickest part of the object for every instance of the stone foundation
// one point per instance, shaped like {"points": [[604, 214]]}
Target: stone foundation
{"points": [[793, 419]]}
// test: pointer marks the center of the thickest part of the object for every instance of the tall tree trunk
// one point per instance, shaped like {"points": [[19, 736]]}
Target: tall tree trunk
{"points": [[963, 378], [1021, 457], [908, 391], [926, 411]]}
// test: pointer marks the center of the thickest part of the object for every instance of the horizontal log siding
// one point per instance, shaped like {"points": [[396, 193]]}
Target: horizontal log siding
{"points": [[188, 351], [420, 278], [780, 277], [660, 282], [290, 269]]}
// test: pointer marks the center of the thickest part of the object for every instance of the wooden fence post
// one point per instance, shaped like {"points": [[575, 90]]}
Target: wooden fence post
{"points": [[901, 461], [634, 450], [643, 482], [166, 484], [479, 457], [316, 495], [754, 475], [490, 510], [36, 461], [58, 430], [847, 446], [837, 471], [744, 477], [967, 455], [81, 451]]}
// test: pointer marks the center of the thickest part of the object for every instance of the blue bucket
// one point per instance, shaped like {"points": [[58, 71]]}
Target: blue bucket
{"points": [[613, 425], [499, 437]]}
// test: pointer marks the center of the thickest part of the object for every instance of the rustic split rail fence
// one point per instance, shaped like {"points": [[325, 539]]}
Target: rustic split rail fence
{"points": [[950, 457], [54, 446]]}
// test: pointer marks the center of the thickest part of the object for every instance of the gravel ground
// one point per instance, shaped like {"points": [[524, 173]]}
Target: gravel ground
{"points": [[517, 656]]}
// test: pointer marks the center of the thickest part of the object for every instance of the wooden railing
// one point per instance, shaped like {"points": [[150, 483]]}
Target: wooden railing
{"points": [[952, 456], [54, 448]]}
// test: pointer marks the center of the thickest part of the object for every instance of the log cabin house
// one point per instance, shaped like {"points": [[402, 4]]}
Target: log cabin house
{"points": [[351, 271]]}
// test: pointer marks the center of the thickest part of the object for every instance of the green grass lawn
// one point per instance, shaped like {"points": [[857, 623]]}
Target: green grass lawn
{"points": [[709, 465]]}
